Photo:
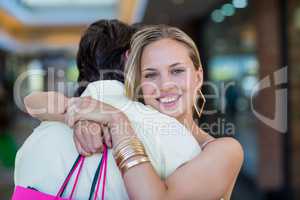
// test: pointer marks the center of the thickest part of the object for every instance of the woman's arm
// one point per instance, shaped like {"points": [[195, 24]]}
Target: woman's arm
{"points": [[208, 176], [49, 106], [52, 106]]}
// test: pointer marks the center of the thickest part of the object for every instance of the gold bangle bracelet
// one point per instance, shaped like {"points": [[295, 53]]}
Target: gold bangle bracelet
{"points": [[126, 142], [127, 149], [120, 145], [134, 146], [133, 155], [135, 160], [125, 155], [126, 138], [127, 166]]}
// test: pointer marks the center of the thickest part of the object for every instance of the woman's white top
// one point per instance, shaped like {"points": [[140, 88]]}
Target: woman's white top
{"points": [[45, 158]]}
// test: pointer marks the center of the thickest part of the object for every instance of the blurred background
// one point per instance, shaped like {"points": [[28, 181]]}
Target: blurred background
{"points": [[241, 42]]}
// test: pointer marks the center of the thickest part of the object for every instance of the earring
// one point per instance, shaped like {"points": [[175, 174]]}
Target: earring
{"points": [[199, 112]]}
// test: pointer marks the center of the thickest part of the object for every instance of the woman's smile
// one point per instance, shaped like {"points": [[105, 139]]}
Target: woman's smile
{"points": [[169, 101]]}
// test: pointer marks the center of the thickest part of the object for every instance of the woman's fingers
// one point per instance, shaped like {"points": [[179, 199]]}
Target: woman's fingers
{"points": [[74, 114], [69, 115], [76, 107], [86, 108], [79, 136], [95, 133], [79, 148], [89, 136], [106, 135]]}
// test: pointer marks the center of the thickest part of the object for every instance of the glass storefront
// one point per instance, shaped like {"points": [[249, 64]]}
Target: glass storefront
{"points": [[293, 32], [230, 46]]}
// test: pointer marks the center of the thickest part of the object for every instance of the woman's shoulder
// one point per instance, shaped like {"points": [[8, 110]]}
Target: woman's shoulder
{"points": [[227, 147], [223, 157], [228, 141], [229, 144]]}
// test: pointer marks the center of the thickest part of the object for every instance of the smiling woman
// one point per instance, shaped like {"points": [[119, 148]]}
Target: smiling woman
{"points": [[164, 71], [173, 75]]}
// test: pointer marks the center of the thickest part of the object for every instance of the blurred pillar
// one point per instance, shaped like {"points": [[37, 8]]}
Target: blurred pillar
{"points": [[293, 11], [2, 67], [3, 101], [270, 142], [127, 10], [2, 59]]}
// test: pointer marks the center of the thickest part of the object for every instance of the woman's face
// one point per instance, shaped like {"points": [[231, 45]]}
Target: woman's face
{"points": [[169, 79]]}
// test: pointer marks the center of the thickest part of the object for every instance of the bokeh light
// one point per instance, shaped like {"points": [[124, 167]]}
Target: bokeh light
{"points": [[228, 9], [217, 16], [240, 3]]}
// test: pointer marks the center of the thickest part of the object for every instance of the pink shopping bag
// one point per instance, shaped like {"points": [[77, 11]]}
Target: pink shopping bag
{"points": [[22, 193]]}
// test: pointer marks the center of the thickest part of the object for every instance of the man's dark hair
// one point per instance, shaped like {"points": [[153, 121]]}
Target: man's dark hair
{"points": [[101, 53]]}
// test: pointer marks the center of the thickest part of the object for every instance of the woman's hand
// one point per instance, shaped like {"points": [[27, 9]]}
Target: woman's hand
{"points": [[93, 120], [90, 136], [87, 108]]}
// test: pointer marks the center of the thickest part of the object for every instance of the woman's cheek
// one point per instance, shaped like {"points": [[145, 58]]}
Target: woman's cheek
{"points": [[148, 92]]}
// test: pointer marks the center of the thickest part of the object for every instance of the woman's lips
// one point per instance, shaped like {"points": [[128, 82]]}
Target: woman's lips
{"points": [[168, 101]]}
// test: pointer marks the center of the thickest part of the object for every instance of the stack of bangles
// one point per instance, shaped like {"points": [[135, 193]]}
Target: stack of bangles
{"points": [[128, 148]]}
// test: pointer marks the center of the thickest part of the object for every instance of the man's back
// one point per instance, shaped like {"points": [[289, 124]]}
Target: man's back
{"points": [[46, 157]]}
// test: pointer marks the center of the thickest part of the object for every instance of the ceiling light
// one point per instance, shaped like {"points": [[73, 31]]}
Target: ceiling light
{"points": [[240, 3]]}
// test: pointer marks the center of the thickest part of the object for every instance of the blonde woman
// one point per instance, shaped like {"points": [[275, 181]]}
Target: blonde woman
{"points": [[49, 150], [164, 72]]}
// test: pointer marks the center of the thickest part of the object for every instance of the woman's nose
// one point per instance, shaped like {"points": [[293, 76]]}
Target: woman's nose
{"points": [[166, 83], [167, 86]]}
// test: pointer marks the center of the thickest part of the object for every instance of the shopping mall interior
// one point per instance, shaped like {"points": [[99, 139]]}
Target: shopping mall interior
{"points": [[241, 43]]}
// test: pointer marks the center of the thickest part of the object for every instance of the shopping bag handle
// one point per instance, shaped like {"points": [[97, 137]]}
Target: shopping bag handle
{"points": [[78, 162], [67, 179], [96, 180], [101, 169]]}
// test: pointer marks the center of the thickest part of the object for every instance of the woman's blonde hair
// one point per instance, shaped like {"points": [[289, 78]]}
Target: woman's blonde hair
{"points": [[139, 41]]}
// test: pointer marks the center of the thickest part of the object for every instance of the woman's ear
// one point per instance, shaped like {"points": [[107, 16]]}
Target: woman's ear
{"points": [[127, 54], [199, 75]]}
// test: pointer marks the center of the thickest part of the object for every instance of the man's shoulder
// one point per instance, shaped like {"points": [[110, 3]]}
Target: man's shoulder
{"points": [[49, 147], [46, 125], [146, 112], [48, 131], [47, 138]]}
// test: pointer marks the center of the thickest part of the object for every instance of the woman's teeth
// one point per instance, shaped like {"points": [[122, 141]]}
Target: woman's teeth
{"points": [[168, 99]]}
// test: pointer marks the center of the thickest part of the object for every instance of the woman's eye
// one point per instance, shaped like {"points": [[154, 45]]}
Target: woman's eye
{"points": [[150, 75], [177, 71]]}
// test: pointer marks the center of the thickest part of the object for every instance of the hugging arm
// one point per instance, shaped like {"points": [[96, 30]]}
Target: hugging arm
{"points": [[50, 106], [209, 176]]}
